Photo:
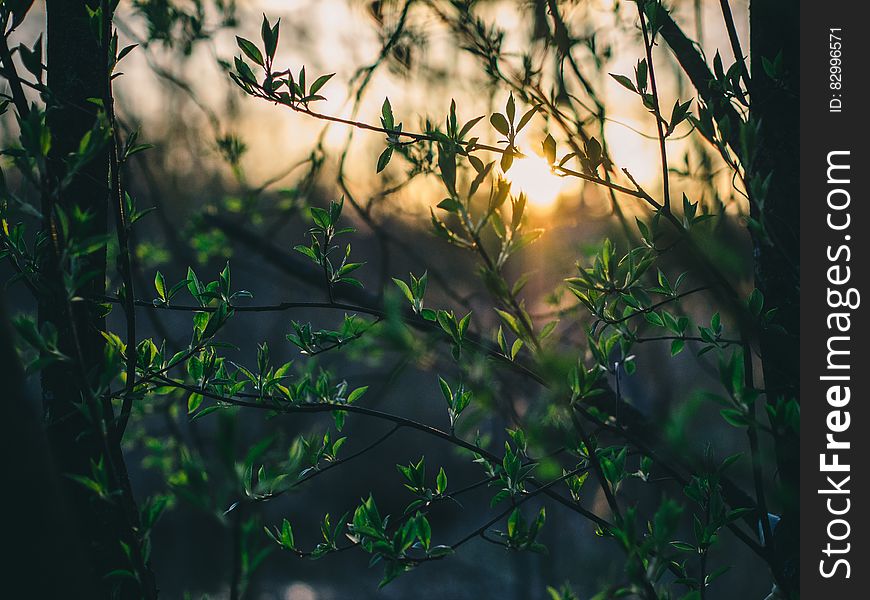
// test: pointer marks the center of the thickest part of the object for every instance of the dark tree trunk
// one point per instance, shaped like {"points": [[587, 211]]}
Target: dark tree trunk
{"points": [[774, 29], [39, 530], [80, 425]]}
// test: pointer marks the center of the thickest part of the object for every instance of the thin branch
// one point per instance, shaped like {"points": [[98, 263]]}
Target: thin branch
{"points": [[654, 306], [125, 265], [276, 405], [656, 108], [469, 147], [685, 338], [592, 457], [332, 465], [14, 261], [734, 495], [757, 474], [735, 40], [525, 498], [11, 75], [409, 319]]}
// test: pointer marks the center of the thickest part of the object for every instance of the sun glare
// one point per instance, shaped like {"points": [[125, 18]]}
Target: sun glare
{"points": [[533, 176], [632, 151]]}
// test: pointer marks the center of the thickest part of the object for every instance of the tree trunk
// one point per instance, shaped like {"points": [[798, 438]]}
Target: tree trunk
{"points": [[774, 30], [40, 530], [80, 425]]}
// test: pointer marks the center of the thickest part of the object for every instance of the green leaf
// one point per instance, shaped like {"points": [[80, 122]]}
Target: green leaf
{"points": [[511, 108], [319, 83], [468, 126], [624, 81], [87, 482], [160, 285], [250, 50], [507, 159], [734, 417], [654, 318], [321, 217], [450, 205], [500, 123], [683, 546], [513, 522], [510, 321], [307, 252], [193, 402], [447, 322], [356, 394], [269, 35], [549, 145], [349, 267], [287, 535], [193, 284], [406, 291], [387, 115], [120, 574], [548, 329], [463, 324], [446, 391], [32, 58], [206, 411], [755, 302], [424, 531], [440, 551], [339, 416], [769, 67], [441, 481], [524, 120]]}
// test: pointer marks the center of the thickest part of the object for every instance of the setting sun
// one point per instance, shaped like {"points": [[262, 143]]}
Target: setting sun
{"points": [[533, 176]]}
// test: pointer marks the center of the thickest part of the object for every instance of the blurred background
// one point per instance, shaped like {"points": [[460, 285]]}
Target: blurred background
{"points": [[231, 178]]}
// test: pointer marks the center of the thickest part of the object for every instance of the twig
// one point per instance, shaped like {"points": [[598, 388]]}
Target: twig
{"points": [[685, 338], [654, 306], [592, 457], [757, 475], [336, 463], [657, 110], [518, 502], [276, 405], [18, 97], [627, 434], [122, 230], [735, 40]]}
